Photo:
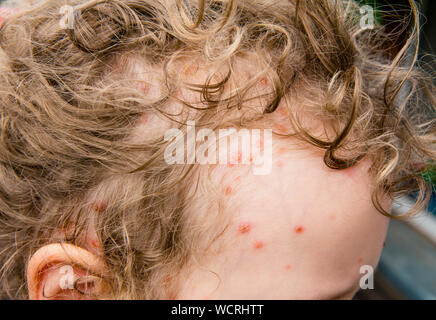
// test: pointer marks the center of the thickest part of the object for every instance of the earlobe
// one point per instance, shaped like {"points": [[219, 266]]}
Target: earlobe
{"points": [[65, 271]]}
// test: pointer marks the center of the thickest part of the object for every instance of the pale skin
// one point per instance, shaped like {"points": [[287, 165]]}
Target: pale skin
{"points": [[301, 232], [307, 243]]}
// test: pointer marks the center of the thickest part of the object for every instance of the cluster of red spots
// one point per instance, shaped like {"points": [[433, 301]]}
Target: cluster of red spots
{"points": [[299, 229], [258, 245], [228, 190], [99, 206], [244, 228]]}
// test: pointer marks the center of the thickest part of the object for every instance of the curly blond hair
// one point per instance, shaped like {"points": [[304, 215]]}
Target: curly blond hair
{"points": [[70, 100]]}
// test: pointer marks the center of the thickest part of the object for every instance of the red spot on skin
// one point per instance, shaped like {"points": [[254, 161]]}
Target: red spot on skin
{"points": [[288, 267], [263, 82], [279, 164], [281, 129], [350, 172], [237, 179], [332, 216], [95, 243], [299, 229], [360, 260], [99, 206], [236, 159], [244, 228], [258, 245], [228, 190]]}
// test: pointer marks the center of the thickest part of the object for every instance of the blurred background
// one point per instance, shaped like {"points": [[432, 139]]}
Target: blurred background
{"points": [[407, 268]]}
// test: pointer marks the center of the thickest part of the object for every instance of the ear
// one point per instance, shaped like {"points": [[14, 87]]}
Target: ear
{"points": [[66, 272]]}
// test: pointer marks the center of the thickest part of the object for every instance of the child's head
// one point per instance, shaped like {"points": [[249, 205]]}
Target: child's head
{"points": [[87, 100]]}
